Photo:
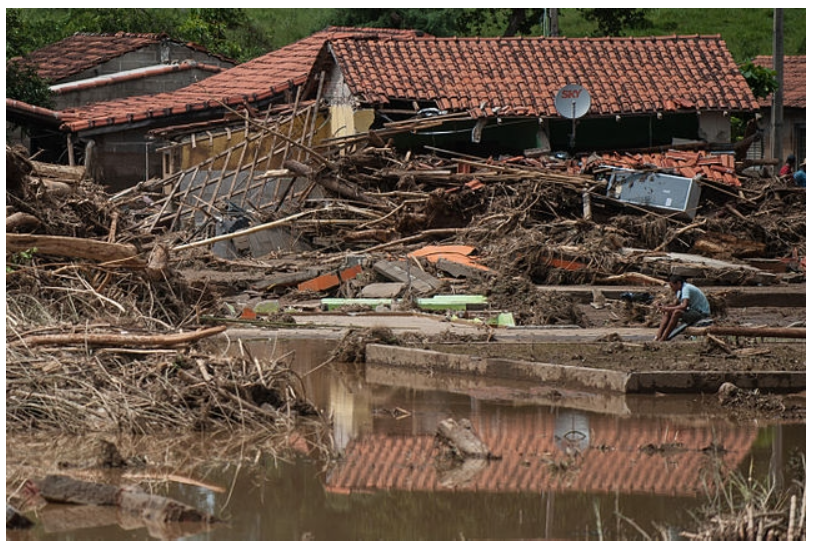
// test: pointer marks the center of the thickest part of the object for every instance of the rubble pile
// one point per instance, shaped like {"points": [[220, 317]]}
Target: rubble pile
{"points": [[548, 220], [73, 259], [101, 335], [355, 225]]}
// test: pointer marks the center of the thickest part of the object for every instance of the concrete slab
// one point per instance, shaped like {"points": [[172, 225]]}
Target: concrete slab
{"points": [[410, 274], [382, 290], [538, 373]]}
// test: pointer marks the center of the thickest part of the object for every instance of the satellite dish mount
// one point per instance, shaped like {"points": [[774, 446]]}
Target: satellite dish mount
{"points": [[572, 102]]}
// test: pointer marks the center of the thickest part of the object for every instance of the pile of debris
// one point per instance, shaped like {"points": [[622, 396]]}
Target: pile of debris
{"points": [[354, 219], [102, 334]]}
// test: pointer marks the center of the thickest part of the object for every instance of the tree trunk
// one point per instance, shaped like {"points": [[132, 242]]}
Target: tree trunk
{"points": [[72, 247]]}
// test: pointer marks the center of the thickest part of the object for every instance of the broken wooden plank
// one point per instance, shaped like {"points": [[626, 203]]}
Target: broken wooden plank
{"points": [[743, 331], [246, 231]]}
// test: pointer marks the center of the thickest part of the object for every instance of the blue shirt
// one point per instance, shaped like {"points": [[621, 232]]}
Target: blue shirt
{"points": [[698, 301], [800, 178]]}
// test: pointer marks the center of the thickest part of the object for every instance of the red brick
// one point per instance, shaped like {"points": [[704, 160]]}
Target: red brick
{"points": [[320, 284], [350, 273]]}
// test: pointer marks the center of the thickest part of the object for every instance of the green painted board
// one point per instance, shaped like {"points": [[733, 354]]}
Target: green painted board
{"points": [[335, 303], [454, 302]]}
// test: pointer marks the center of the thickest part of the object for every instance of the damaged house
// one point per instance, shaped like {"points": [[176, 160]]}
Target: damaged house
{"points": [[117, 126], [643, 92], [87, 68], [490, 95]]}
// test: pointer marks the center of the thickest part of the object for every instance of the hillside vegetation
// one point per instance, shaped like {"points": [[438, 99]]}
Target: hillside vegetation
{"points": [[245, 33]]}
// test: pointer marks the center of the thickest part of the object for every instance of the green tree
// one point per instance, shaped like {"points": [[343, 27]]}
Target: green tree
{"points": [[762, 80], [442, 22], [227, 31], [612, 21], [22, 81], [111, 20], [24, 84]]}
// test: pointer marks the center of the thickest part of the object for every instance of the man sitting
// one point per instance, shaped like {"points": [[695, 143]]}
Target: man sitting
{"points": [[690, 306]]}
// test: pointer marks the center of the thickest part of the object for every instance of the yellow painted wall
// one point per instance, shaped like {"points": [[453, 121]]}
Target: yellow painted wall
{"points": [[206, 146]]}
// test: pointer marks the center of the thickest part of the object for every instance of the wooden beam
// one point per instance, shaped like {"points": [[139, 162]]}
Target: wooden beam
{"points": [[743, 331]]}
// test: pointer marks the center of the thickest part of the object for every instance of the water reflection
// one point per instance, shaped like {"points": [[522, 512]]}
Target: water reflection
{"points": [[570, 463]]}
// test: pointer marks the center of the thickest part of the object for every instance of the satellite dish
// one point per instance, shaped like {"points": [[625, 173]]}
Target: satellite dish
{"points": [[572, 101]]}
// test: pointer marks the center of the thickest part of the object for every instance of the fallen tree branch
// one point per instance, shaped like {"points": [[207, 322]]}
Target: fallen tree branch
{"points": [[119, 340], [64, 489], [73, 247]]}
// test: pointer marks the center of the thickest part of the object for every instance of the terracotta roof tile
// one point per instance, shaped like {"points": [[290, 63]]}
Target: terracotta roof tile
{"points": [[255, 80], [623, 75], [794, 80], [81, 51]]}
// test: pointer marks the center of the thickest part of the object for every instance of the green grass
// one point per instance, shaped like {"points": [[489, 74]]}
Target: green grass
{"points": [[747, 32]]}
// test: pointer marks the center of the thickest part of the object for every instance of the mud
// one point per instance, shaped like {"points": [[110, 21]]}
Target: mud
{"points": [[642, 357]]}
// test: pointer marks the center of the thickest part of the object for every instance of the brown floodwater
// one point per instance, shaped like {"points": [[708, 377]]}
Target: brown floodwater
{"points": [[572, 466]]}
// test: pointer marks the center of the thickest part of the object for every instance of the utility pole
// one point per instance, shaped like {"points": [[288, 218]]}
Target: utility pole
{"points": [[555, 21], [777, 97]]}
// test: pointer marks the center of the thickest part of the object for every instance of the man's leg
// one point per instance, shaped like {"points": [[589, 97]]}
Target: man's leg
{"points": [[672, 321], [665, 319]]}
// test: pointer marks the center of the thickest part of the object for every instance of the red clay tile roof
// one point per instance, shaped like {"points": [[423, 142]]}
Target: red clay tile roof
{"points": [[522, 75], [794, 80], [82, 51], [619, 460], [23, 109], [255, 80]]}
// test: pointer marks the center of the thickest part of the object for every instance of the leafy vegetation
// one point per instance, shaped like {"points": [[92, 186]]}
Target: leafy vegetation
{"points": [[246, 33], [762, 80]]}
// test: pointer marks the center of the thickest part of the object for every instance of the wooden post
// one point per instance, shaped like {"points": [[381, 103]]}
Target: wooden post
{"points": [[777, 96], [71, 160]]}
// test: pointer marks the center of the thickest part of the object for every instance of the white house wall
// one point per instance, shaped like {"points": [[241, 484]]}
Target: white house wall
{"points": [[715, 127]]}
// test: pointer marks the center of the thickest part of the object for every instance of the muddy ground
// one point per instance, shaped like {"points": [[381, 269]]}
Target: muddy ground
{"points": [[701, 356]]}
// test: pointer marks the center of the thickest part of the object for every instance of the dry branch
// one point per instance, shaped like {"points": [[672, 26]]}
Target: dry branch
{"points": [[119, 340]]}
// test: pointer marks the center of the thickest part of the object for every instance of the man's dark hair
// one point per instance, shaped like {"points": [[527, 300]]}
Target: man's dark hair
{"points": [[676, 278]]}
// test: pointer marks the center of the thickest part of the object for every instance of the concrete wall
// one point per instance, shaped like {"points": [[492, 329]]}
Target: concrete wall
{"points": [[124, 159], [794, 126], [715, 127], [793, 135], [147, 56], [144, 86]]}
